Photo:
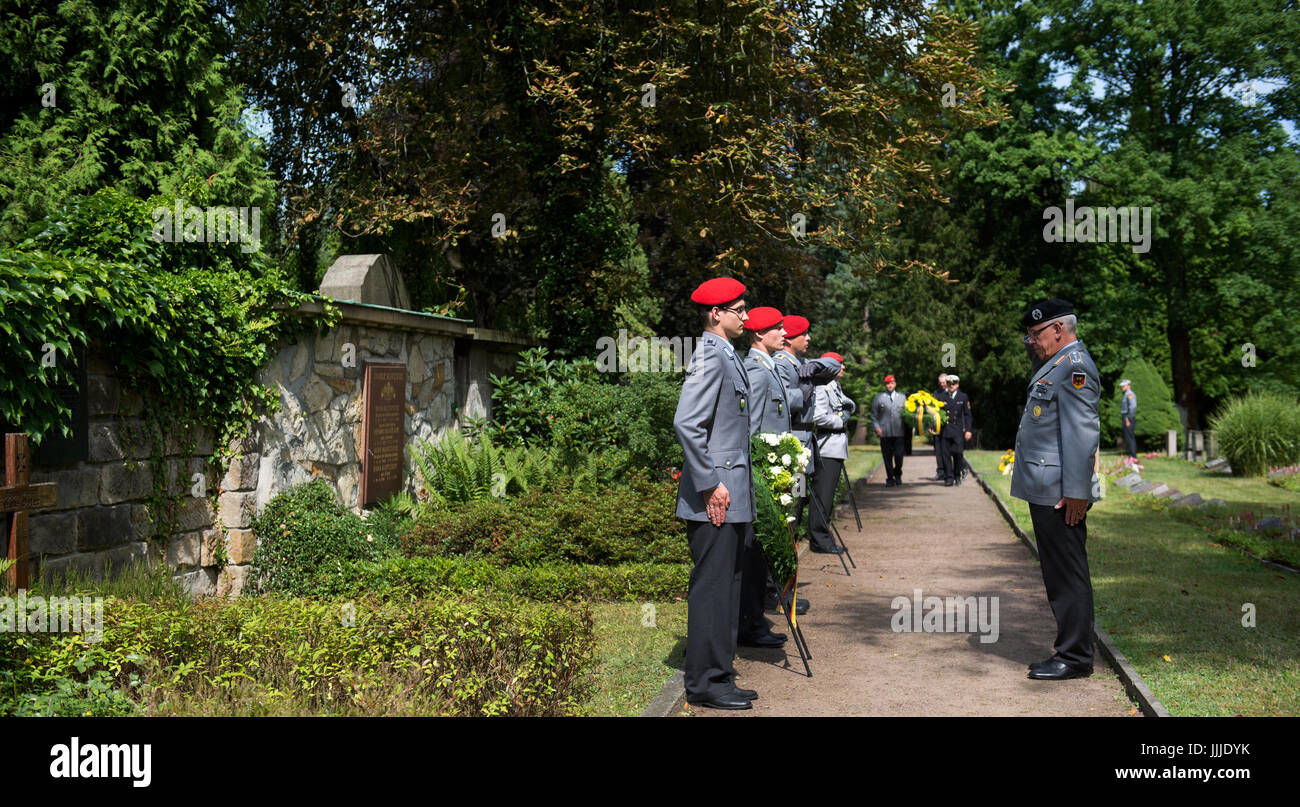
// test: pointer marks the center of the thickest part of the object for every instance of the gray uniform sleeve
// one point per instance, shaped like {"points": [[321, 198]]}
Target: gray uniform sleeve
{"points": [[877, 407], [790, 377], [823, 414], [759, 395], [694, 416], [1080, 433]]}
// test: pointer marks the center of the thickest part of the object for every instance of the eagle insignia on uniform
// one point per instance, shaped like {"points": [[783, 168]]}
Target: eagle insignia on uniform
{"points": [[1078, 379]]}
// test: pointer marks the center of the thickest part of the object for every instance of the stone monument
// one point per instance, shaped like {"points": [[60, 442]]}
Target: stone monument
{"points": [[368, 279]]}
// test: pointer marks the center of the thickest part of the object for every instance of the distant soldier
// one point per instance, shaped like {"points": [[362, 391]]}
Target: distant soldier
{"points": [[939, 395], [1128, 410], [715, 495], [1056, 472], [830, 420], [955, 432], [887, 418]]}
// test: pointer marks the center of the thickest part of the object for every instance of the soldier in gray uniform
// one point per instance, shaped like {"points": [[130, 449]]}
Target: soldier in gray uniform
{"points": [[887, 415], [769, 412], [715, 495], [1056, 472], [831, 412], [1128, 410]]}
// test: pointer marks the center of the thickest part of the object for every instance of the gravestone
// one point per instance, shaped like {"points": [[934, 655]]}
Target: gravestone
{"points": [[1171, 443], [368, 279], [383, 431], [1130, 481], [1190, 500]]}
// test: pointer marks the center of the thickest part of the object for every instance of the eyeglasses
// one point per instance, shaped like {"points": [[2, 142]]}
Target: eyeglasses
{"points": [[740, 312], [1034, 336]]}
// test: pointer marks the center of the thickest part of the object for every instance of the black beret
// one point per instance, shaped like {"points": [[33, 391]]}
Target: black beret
{"points": [[1043, 310]]}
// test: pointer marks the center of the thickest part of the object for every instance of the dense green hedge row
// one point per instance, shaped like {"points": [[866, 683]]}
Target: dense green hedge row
{"points": [[446, 656]]}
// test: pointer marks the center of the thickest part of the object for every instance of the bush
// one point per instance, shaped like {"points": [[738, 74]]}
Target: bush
{"points": [[306, 539], [630, 424], [1257, 431], [554, 582], [445, 656], [631, 522]]}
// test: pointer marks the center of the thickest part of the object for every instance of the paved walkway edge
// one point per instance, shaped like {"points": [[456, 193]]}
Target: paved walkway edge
{"points": [[672, 698], [1136, 688]]}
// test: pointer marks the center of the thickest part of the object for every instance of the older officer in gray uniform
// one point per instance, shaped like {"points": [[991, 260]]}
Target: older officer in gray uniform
{"points": [[715, 495], [887, 419], [1056, 472], [831, 412], [1128, 410]]}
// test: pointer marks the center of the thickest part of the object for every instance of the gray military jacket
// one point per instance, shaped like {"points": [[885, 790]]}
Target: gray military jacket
{"points": [[1060, 431], [831, 412], [769, 411], [887, 413], [1128, 405], [712, 424]]}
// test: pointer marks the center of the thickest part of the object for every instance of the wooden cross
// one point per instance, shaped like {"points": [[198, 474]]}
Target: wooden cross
{"points": [[16, 498]]}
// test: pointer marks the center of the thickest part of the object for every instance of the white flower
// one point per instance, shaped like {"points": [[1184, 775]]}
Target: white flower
{"points": [[786, 499], [771, 439], [788, 519], [785, 459], [771, 456], [774, 471]]}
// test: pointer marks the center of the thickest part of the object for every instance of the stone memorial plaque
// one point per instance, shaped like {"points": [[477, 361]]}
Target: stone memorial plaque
{"points": [[383, 431]]}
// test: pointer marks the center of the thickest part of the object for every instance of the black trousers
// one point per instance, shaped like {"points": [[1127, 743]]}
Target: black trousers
{"points": [[824, 483], [713, 606], [1130, 438], [1063, 553], [892, 450], [952, 458], [938, 456]]}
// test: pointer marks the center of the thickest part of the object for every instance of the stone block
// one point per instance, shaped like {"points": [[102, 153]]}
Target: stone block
{"points": [[230, 582], [54, 533], [114, 561], [240, 546], [242, 473], [298, 366], [316, 394], [1142, 487], [118, 483], [236, 510], [1215, 463], [1190, 500], [103, 527], [195, 513], [1170, 493], [1157, 489], [184, 550], [141, 522], [77, 487], [209, 542], [325, 348], [416, 369], [198, 582], [131, 403], [103, 395], [103, 444], [1130, 481], [80, 564], [365, 279]]}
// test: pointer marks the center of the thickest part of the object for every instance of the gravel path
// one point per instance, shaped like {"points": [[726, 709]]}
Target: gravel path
{"points": [[947, 542]]}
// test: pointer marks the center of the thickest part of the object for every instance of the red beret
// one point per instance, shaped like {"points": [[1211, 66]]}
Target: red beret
{"points": [[762, 318], [831, 355], [795, 325], [889, 378], [719, 290]]}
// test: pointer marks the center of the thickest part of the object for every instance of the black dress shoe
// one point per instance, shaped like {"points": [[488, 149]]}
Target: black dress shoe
{"points": [[725, 702], [833, 550], [1056, 670], [1036, 664], [947, 483], [747, 694], [768, 639], [937, 477]]}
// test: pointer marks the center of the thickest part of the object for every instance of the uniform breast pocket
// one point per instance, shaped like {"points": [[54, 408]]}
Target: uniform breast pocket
{"points": [[1042, 403], [742, 398], [1040, 471]]}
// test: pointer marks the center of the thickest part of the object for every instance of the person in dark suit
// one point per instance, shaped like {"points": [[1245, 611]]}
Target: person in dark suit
{"points": [[715, 495], [955, 432], [939, 394], [1057, 457]]}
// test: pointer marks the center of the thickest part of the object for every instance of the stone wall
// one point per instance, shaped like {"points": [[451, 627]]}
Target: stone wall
{"points": [[101, 517]]}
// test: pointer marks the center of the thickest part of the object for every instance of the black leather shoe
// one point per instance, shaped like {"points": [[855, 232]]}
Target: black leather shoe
{"points": [[1056, 670], [937, 477], [834, 550], [768, 639], [947, 483], [725, 702], [747, 694], [1036, 664]]}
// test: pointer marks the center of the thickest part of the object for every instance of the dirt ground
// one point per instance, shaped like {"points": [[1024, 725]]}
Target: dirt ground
{"points": [[947, 542]]}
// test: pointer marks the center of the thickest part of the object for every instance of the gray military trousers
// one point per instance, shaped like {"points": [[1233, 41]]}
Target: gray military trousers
{"points": [[713, 606]]}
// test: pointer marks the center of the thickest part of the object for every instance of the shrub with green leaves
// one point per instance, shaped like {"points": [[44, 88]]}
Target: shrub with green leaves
{"points": [[1156, 412], [306, 540], [631, 522], [629, 423], [1257, 431]]}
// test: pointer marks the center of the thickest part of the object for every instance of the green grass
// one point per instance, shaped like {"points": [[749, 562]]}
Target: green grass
{"points": [[635, 656], [1163, 588], [861, 460]]}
